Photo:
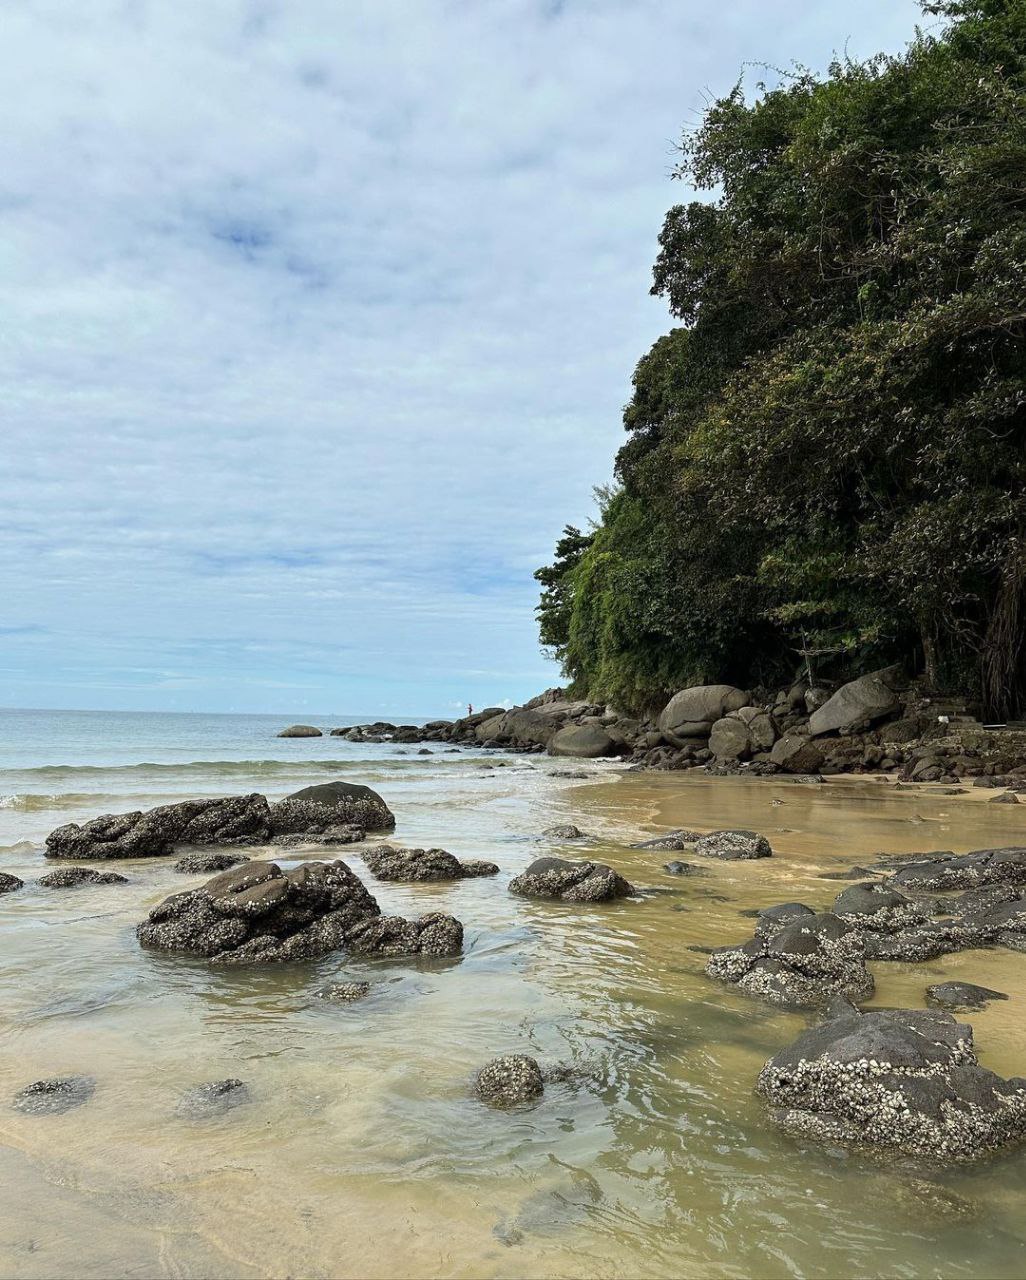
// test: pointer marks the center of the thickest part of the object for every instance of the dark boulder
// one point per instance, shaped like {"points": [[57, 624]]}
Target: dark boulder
{"points": [[156, 832], [51, 1097], [510, 1081], [673, 841], [9, 883], [902, 1081], [565, 831], [733, 845], [570, 881], [963, 871], [72, 877], [875, 906], [330, 804], [388, 863], [677, 868], [958, 996], [257, 912]]}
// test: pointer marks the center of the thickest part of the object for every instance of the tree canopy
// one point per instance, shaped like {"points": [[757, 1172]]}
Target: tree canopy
{"points": [[829, 451]]}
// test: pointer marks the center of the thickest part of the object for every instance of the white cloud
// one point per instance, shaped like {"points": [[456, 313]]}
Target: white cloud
{"points": [[318, 323]]}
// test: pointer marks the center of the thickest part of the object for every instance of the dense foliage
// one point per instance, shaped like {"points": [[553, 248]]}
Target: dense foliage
{"points": [[828, 454]]}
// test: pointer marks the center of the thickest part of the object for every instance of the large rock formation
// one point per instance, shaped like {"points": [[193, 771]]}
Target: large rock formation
{"points": [[257, 912], [870, 697], [388, 863], [900, 1080], [570, 881], [691, 713], [300, 731], [343, 807]]}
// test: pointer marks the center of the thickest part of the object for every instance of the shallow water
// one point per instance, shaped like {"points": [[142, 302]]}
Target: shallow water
{"points": [[363, 1152]]}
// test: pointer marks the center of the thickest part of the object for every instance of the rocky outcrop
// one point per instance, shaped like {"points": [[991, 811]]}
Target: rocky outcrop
{"points": [[388, 863], [257, 913], [797, 959], [72, 877], [156, 832], [336, 812], [329, 805], [900, 1081], [570, 881], [583, 742], [691, 713], [870, 697], [301, 731], [510, 1081], [733, 845], [9, 883], [1006, 866]]}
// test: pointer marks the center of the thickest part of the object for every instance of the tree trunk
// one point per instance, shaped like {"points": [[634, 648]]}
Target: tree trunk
{"points": [[1003, 678]]}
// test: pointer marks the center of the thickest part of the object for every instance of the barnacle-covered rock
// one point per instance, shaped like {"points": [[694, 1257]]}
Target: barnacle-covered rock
{"points": [[388, 863], [570, 881], [510, 1081], [898, 1080]]}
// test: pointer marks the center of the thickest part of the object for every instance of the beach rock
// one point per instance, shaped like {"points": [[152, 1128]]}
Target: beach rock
{"points": [[770, 920], [205, 863], [435, 934], [585, 741], [340, 833], [565, 831], [72, 877], [388, 863], [870, 697], [1006, 797], [795, 753], [673, 841], [329, 805], [901, 1081], [9, 883], [300, 731], [570, 881], [728, 739], [257, 912], [733, 845], [962, 871], [344, 992], [874, 906], [691, 713], [959, 996], [52, 1097], [155, 832], [213, 1099], [510, 1081], [797, 960], [676, 868]]}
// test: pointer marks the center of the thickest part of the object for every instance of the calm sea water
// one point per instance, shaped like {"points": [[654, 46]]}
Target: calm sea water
{"points": [[363, 1151]]}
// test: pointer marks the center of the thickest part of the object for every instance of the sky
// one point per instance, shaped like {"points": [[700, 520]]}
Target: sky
{"points": [[318, 319]]}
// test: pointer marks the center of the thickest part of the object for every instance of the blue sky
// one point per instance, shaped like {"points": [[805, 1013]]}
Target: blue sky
{"points": [[318, 321]]}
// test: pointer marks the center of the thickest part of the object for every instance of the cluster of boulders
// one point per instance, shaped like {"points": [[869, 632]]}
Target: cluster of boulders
{"points": [[257, 912], [332, 812], [877, 723]]}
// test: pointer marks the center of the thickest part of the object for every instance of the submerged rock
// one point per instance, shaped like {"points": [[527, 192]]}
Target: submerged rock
{"points": [[565, 831], [733, 845], [957, 996], [388, 863], [901, 1080], [257, 912], [673, 841], [9, 883], [510, 1081], [344, 992], [570, 881], [213, 1099], [797, 959], [51, 1097], [677, 868], [205, 863], [72, 877]]}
